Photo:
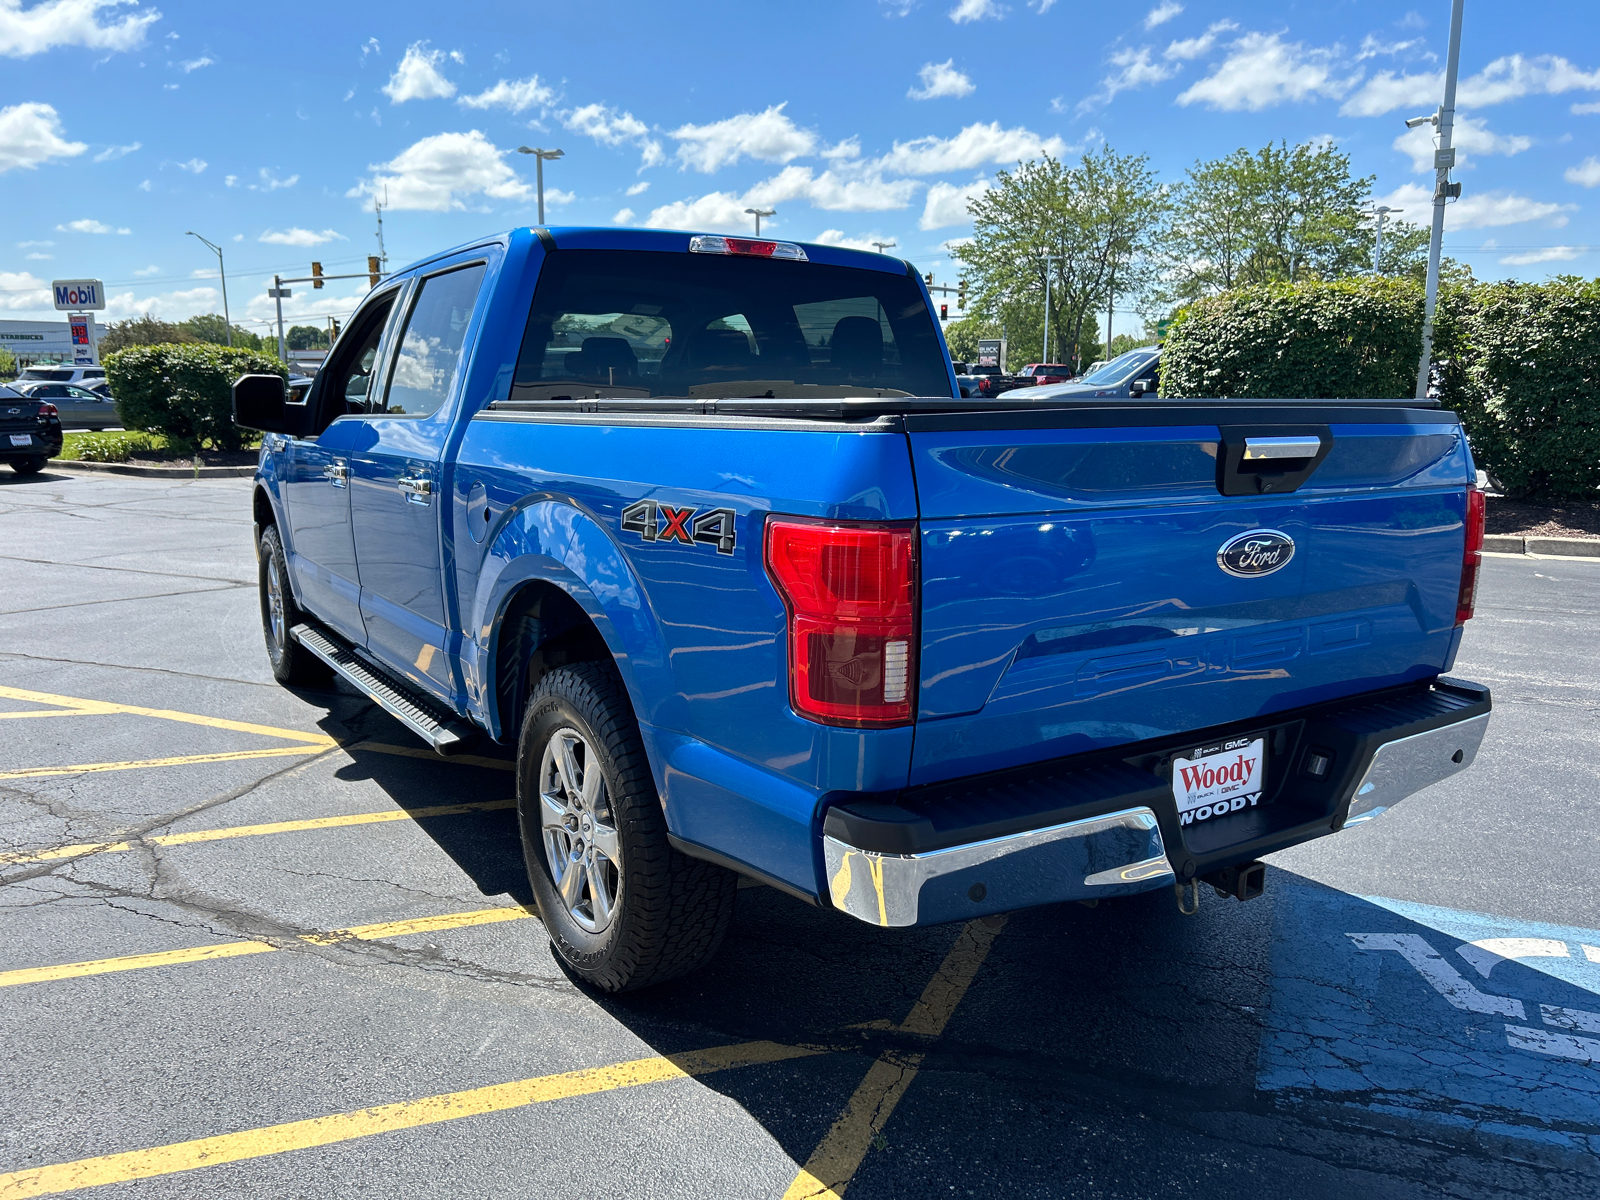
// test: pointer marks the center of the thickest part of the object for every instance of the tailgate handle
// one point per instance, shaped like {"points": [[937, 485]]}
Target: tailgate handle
{"points": [[1260, 449]]}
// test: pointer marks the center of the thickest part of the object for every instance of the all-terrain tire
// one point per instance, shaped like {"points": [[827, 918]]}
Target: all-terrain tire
{"points": [[292, 664], [669, 913]]}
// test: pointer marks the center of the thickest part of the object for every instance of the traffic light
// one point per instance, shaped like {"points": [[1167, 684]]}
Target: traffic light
{"points": [[928, 279], [961, 293], [944, 312], [316, 275], [373, 271], [333, 330]]}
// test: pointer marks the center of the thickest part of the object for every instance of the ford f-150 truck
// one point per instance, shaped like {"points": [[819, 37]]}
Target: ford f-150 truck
{"points": [[702, 526]]}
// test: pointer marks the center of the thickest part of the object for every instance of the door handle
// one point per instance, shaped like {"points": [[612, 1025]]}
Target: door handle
{"points": [[417, 489], [337, 473]]}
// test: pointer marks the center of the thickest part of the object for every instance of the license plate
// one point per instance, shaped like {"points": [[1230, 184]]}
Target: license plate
{"points": [[1213, 781], [22, 439]]}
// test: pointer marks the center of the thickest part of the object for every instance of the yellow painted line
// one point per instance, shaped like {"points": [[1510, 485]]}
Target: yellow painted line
{"points": [[835, 1161], [95, 707], [180, 760], [238, 831], [36, 712], [465, 760], [387, 1118], [167, 958]]}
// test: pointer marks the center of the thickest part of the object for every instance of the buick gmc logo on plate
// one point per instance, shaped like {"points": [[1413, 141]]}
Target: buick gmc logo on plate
{"points": [[1259, 552]]}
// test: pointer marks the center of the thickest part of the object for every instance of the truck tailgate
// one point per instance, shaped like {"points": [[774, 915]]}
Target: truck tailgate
{"points": [[1073, 599]]}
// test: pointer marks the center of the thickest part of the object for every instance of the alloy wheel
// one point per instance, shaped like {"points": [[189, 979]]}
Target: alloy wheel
{"points": [[580, 835]]}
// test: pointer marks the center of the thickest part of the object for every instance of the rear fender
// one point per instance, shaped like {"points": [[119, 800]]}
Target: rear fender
{"points": [[554, 542]]}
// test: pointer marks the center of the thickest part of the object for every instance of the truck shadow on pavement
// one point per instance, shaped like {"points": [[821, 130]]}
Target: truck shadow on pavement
{"points": [[1310, 1037]]}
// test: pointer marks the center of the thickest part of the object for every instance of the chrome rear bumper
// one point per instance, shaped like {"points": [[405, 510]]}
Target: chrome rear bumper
{"points": [[1410, 764]]}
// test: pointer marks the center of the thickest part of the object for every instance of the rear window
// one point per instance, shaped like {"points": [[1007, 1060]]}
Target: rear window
{"points": [[647, 323], [49, 376]]}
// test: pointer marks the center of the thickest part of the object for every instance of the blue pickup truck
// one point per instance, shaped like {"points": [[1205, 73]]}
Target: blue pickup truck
{"points": [[703, 527]]}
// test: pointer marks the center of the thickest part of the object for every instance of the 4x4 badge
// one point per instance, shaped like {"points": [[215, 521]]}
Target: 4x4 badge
{"points": [[663, 523]]}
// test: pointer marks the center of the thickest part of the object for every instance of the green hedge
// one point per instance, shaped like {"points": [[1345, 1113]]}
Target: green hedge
{"points": [[1351, 339], [1521, 364], [184, 391]]}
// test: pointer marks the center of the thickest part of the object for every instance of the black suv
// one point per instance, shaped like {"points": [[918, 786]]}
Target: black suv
{"points": [[30, 432]]}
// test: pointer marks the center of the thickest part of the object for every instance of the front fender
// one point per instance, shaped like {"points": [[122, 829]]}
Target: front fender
{"points": [[553, 541]]}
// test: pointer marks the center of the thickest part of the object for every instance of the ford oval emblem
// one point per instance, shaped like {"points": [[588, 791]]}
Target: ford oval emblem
{"points": [[1258, 552]]}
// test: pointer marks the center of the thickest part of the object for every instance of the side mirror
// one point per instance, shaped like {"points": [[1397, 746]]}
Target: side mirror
{"points": [[1137, 388], [262, 402]]}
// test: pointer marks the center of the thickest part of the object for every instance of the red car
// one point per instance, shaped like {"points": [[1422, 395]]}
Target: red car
{"points": [[1042, 373]]}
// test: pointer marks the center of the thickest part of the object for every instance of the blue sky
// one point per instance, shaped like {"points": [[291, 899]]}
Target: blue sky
{"points": [[268, 130]]}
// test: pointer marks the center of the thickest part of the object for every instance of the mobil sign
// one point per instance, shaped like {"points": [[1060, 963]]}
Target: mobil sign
{"points": [[79, 293]]}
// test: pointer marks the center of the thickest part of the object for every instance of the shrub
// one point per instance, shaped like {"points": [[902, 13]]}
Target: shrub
{"points": [[1521, 364], [1346, 340], [184, 391], [107, 447]]}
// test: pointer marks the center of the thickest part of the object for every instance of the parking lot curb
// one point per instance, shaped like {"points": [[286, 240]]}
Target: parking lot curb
{"points": [[152, 472], [1502, 543]]}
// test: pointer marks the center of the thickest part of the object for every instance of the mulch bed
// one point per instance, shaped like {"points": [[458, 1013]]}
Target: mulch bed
{"points": [[1526, 518], [208, 458]]}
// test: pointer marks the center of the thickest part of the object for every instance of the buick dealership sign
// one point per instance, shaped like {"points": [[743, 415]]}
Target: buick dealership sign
{"points": [[78, 294]]}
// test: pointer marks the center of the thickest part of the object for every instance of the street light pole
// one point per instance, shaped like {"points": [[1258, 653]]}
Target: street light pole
{"points": [[1045, 349], [1383, 210], [882, 246], [217, 250], [539, 156], [758, 213], [1443, 159]]}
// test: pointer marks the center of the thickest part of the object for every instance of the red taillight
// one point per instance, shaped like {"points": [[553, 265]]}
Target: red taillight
{"points": [[1471, 557], [46, 409], [707, 243], [851, 594]]}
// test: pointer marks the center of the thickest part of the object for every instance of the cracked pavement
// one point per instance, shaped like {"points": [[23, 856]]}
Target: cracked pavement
{"points": [[1119, 1051]]}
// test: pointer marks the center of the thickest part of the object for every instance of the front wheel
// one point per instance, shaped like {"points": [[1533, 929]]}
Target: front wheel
{"points": [[292, 664], [29, 466], [623, 909]]}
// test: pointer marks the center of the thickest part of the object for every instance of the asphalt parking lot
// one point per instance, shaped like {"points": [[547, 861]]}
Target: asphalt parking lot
{"points": [[260, 943]]}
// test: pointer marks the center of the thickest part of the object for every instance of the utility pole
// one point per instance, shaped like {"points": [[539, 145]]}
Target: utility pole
{"points": [[882, 246], [383, 255], [222, 271], [1111, 311], [278, 292], [758, 213], [1444, 157], [1383, 211], [539, 157]]}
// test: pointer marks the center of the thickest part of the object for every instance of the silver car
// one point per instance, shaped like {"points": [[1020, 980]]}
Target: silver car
{"points": [[79, 407]]}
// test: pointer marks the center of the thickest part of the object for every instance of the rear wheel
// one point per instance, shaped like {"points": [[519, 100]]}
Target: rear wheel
{"points": [[623, 909], [292, 663], [29, 466]]}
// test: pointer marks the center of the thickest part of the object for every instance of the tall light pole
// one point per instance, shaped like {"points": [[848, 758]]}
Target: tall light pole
{"points": [[1383, 211], [758, 213], [539, 157], [1048, 259], [882, 246], [217, 250], [1444, 157]]}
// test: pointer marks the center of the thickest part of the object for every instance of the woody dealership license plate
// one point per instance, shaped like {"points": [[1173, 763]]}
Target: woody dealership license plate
{"points": [[1213, 781]]}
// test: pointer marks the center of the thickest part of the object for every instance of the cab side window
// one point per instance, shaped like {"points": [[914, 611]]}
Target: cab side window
{"points": [[349, 375], [432, 347]]}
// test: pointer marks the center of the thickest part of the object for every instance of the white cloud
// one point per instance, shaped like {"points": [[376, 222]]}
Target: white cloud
{"points": [[417, 77], [144, 186], [724, 211], [111, 152], [623, 216], [1262, 70], [24, 32], [1471, 135], [1586, 173], [152, 269], [768, 135], [976, 10], [296, 236], [194, 64], [1547, 254], [1583, 110], [31, 134], [39, 257], [1371, 47], [194, 166], [1480, 210], [1507, 78], [270, 182], [849, 147], [941, 79], [22, 290], [639, 188], [434, 174], [947, 204], [30, 244], [1187, 49], [554, 196], [605, 125], [1136, 70], [229, 181], [88, 225], [518, 96], [836, 237], [975, 146], [1162, 13]]}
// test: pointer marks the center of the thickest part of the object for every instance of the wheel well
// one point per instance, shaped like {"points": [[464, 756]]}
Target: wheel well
{"points": [[543, 628], [261, 510]]}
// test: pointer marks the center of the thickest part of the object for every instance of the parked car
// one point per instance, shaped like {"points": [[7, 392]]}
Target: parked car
{"points": [[82, 376], [1043, 373], [79, 407], [30, 431], [993, 383], [1128, 376], [753, 591]]}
